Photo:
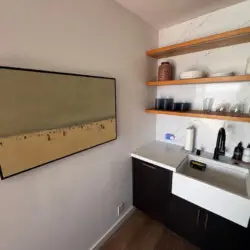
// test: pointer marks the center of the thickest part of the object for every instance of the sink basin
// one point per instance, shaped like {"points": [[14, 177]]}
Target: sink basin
{"points": [[228, 177], [222, 188]]}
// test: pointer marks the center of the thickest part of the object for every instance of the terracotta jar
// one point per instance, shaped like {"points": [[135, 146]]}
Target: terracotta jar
{"points": [[165, 72]]}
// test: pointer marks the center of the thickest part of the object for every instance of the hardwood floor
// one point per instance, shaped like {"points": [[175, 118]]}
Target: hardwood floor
{"points": [[142, 233]]}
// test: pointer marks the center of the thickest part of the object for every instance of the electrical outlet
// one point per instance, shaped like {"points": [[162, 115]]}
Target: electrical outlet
{"points": [[120, 208]]}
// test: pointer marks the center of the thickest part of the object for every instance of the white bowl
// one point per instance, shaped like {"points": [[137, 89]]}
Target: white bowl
{"points": [[192, 74], [221, 74]]}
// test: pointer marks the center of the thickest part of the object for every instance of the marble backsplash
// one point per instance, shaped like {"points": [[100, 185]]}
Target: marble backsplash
{"points": [[232, 58], [206, 131]]}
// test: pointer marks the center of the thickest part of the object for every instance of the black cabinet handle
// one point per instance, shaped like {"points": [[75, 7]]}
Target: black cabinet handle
{"points": [[149, 166], [198, 217], [206, 221]]}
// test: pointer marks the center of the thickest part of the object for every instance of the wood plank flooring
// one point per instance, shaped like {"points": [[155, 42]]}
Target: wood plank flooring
{"points": [[140, 232]]}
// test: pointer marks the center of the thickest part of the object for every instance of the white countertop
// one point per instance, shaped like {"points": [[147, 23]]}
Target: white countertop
{"points": [[161, 154], [170, 156]]}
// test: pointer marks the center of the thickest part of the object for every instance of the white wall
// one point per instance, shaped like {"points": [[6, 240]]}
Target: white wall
{"points": [[71, 203], [231, 58]]}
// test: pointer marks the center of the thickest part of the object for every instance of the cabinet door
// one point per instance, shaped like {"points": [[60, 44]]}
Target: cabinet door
{"points": [[221, 233], [151, 189], [185, 218]]}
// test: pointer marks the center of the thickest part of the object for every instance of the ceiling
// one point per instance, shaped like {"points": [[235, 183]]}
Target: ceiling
{"points": [[165, 13]]}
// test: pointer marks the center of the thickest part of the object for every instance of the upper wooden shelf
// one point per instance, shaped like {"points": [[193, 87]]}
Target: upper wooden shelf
{"points": [[205, 43], [242, 78]]}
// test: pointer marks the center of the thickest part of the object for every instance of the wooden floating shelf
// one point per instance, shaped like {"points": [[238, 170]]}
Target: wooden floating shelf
{"points": [[202, 114], [229, 38], [226, 79]]}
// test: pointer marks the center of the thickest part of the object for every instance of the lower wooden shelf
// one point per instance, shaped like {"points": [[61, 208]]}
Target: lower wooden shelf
{"points": [[202, 114]]}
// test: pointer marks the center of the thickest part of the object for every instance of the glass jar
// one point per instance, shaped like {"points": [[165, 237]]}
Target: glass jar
{"points": [[165, 72]]}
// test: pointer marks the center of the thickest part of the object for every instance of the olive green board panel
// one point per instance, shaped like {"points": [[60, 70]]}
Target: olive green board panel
{"points": [[46, 116]]}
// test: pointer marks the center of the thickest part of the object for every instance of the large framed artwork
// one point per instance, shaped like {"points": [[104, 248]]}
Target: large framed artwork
{"points": [[45, 116]]}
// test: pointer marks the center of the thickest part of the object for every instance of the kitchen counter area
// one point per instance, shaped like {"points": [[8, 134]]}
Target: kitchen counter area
{"points": [[161, 154], [223, 188], [170, 156]]}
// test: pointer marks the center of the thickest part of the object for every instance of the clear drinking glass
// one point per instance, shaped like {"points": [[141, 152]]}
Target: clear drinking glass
{"points": [[248, 66], [208, 104]]}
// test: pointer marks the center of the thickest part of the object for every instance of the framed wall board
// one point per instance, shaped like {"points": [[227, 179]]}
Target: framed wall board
{"points": [[45, 116]]}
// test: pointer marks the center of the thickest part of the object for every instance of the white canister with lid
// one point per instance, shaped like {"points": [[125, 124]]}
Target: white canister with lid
{"points": [[190, 134], [246, 154]]}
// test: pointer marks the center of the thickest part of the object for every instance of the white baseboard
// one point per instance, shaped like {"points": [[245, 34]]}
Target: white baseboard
{"points": [[113, 229]]}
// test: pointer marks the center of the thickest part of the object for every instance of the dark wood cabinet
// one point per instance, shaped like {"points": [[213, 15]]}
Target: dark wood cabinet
{"points": [[204, 228], [223, 233], [185, 219], [151, 189], [152, 194]]}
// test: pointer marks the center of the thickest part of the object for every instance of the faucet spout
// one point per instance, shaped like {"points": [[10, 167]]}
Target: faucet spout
{"points": [[220, 148]]}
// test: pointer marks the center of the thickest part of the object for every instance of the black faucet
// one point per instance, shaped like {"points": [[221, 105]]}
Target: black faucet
{"points": [[220, 148]]}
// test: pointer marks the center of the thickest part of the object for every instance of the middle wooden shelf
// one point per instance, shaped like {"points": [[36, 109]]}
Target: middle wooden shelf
{"points": [[201, 114], [227, 79]]}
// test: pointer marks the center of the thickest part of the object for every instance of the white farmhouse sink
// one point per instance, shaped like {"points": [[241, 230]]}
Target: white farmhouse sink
{"points": [[228, 177], [222, 188]]}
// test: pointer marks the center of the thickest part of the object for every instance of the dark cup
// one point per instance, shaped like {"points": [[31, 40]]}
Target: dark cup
{"points": [[176, 106], [162, 104], [158, 103], [167, 104], [185, 106]]}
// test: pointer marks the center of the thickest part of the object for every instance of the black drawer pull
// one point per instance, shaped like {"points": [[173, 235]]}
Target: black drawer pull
{"points": [[206, 221], [198, 217], [149, 166]]}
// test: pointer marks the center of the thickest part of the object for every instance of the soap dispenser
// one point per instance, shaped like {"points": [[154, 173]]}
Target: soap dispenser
{"points": [[246, 154], [238, 152]]}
